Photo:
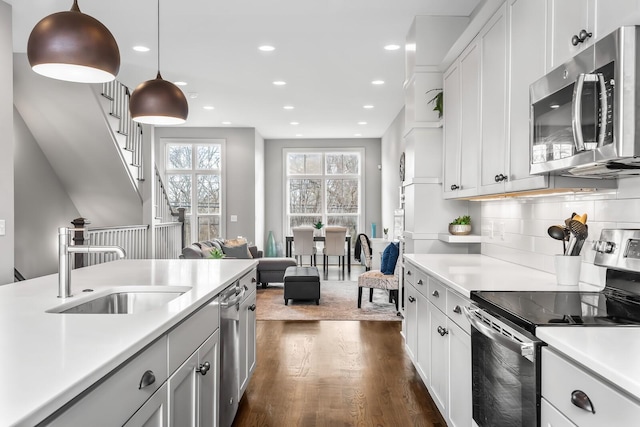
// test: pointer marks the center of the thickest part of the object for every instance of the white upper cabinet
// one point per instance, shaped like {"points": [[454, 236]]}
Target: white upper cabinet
{"points": [[462, 124], [527, 58], [611, 14], [566, 19], [494, 45]]}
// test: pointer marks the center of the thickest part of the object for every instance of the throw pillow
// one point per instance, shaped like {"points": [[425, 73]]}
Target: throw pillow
{"points": [[240, 242], [389, 258], [235, 242], [241, 251], [206, 250]]}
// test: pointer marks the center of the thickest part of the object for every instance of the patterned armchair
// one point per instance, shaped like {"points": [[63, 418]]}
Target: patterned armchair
{"points": [[375, 279]]}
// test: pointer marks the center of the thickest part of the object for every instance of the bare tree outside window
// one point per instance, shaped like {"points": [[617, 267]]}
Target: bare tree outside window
{"points": [[193, 178], [305, 196]]}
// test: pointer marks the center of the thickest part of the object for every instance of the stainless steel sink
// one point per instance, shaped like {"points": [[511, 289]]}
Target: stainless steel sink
{"points": [[124, 301]]}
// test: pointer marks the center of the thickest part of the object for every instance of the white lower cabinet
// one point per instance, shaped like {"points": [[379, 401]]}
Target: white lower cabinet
{"points": [[247, 327], [551, 417], [438, 340], [193, 387], [154, 413]]}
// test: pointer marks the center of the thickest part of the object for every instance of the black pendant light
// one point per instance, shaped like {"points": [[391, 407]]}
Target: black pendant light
{"points": [[75, 47], [157, 101]]}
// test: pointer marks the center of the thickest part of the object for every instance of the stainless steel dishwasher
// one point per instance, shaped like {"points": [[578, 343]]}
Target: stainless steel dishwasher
{"points": [[230, 300]]}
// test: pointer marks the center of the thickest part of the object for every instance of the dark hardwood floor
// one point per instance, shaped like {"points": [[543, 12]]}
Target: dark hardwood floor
{"points": [[334, 373]]}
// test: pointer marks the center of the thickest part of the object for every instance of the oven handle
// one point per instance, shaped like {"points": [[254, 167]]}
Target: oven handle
{"points": [[524, 349]]}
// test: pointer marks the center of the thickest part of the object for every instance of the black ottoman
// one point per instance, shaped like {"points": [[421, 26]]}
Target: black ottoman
{"points": [[302, 283]]}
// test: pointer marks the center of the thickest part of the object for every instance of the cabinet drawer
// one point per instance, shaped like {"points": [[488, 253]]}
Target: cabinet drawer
{"points": [[192, 332], [112, 401], [437, 294], [561, 379], [249, 280], [551, 417], [410, 272], [455, 302]]}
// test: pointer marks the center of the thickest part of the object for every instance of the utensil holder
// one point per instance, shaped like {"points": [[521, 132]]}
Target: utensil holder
{"points": [[568, 269]]}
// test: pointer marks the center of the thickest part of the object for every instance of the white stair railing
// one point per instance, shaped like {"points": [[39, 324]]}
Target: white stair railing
{"points": [[168, 240], [131, 238]]}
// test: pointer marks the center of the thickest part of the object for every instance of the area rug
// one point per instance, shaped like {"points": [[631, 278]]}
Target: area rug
{"points": [[338, 301]]}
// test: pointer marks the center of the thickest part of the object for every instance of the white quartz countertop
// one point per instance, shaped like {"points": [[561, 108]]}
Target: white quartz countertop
{"points": [[611, 352], [466, 273], [46, 359]]}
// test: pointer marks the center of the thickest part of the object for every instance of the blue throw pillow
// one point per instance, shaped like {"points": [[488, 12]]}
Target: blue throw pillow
{"points": [[389, 258]]}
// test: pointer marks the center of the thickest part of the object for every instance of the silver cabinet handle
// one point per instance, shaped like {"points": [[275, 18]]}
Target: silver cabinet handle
{"points": [[420, 282], [442, 331], [436, 293], [147, 379], [411, 299], [204, 368], [582, 401], [457, 310]]}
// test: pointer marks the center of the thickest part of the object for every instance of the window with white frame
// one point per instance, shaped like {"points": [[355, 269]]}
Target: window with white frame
{"points": [[324, 185], [193, 179]]}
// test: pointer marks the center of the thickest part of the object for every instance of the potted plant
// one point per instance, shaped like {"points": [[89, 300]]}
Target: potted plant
{"points": [[318, 226], [460, 226], [216, 254], [437, 101]]}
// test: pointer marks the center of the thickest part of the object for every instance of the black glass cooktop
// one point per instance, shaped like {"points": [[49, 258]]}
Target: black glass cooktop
{"points": [[610, 307]]}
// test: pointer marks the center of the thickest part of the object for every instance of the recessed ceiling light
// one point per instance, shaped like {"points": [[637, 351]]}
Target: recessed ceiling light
{"points": [[279, 83], [193, 95], [180, 83], [208, 107], [141, 49], [357, 134], [288, 107], [392, 47], [377, 82], [226, 123], [266, 48], [294, 123], [367, 107], [362, 123], [298, 134]]}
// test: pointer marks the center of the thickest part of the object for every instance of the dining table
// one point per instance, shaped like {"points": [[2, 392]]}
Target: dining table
{"points": [[347, 239]]}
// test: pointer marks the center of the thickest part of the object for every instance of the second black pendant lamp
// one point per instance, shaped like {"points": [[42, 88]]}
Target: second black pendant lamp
{"points": [[157, 101]]}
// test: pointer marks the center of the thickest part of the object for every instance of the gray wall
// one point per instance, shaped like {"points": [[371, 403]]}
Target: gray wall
{"points": [[41, 206], [392, 147], [6, 145], [275, 179], [239, 173], [260, 190]]}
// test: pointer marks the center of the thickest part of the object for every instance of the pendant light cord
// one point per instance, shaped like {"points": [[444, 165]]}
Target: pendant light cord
{"points": [[158, 37]]}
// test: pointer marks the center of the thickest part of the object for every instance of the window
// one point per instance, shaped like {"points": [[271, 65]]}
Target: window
{"points": [[193, 172], [324, 186]]}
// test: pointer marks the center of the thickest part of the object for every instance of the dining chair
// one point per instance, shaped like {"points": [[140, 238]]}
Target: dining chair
{"points": [[334, 245], [303, 244], [376, 279]]}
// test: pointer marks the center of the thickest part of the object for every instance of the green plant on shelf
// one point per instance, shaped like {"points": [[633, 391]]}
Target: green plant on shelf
{"points": [[462, 220], [437, 101]]}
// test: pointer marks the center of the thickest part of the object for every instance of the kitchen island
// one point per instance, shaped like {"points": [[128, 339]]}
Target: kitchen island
{"points": [[49, 359]]}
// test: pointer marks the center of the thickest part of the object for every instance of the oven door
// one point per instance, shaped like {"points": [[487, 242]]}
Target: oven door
{"points": [[505, 372]]}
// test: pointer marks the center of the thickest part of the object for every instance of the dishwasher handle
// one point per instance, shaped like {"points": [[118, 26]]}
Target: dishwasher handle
{"points": [[230, 302]]}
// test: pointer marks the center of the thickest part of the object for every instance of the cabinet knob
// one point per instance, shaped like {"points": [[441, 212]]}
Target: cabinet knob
{"points": [[252, 307], [411, 299], [147, 379], [420, 282], [408, 272], [204, 368], [457, 309], [442, 331], [253, 280], [580, 37], [582, 401], [436, 293], [455, 187], [500, 178]]}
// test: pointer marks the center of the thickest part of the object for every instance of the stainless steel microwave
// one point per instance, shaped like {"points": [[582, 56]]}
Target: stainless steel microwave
{"points": [[583, 113]]}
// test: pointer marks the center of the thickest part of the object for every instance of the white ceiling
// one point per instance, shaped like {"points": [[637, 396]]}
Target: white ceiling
{"points": [[328, 52]]}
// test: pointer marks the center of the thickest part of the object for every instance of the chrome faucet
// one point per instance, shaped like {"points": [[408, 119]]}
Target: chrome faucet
{"points": [[64, 258]]}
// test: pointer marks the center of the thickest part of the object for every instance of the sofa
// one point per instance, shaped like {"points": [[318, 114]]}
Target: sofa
{"points": [[270, 270]]}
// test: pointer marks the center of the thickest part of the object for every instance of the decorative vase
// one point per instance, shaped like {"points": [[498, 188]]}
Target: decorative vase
{"points": [[373, 230], [459, 229], [271, 250]]}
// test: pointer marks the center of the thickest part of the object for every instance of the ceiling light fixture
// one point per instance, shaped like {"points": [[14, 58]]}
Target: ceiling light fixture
{"points": [[279, 83], [288, 107], [226, 123], [73, 46], [157, 101], [267, 48], [180, 83], [294, 123], [362, 123], [208, 107], [141, 49], [392, 47], [377, 82], [367, 107]]}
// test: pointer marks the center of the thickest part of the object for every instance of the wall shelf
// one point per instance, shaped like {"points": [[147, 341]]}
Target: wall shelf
{"points": [[450, 238]]}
